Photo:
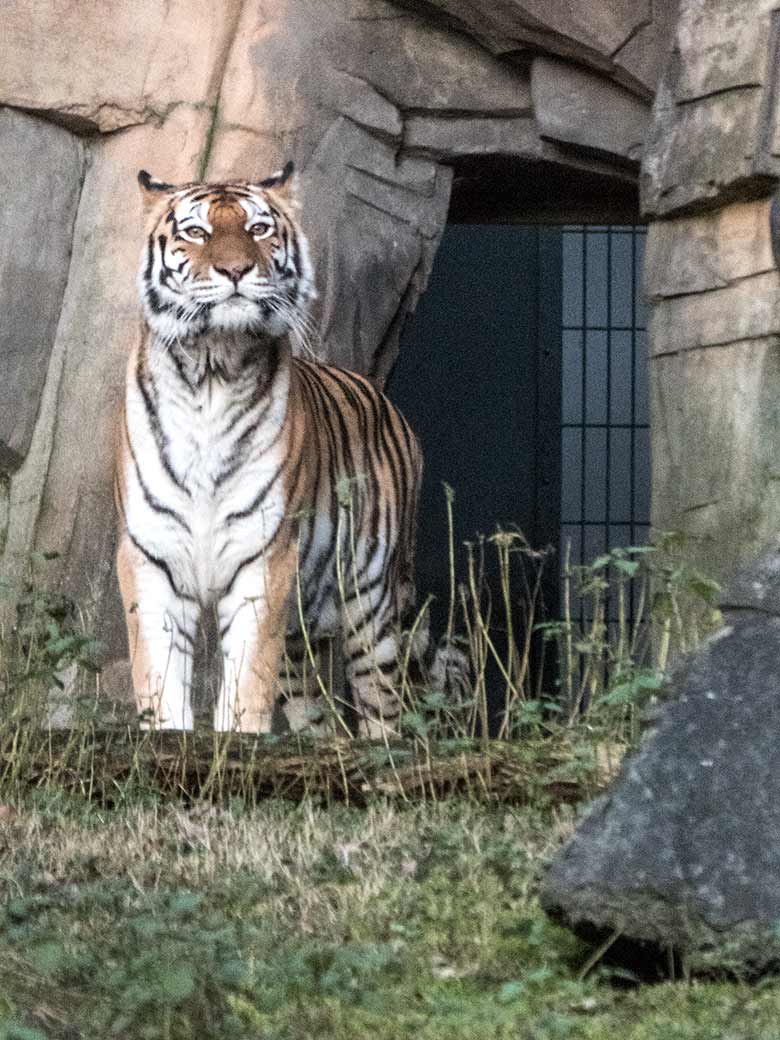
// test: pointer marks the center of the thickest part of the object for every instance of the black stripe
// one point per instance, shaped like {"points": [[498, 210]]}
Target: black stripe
{"points": [[154, 421], [382, 714], [259, 498], [376, 637], [377, 450], [181, 370], [161, 564], [237, 456], [251, 559], [150, 258], [386, 668], [153, 502]]}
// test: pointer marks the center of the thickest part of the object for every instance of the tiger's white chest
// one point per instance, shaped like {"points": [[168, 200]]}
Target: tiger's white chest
{"points": [[218, 452]]}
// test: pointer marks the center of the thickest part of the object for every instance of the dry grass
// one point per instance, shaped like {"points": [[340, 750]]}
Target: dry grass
{"points": [[110, 766], [637, 609], [282, 849], [289, 922], [157, 887]]}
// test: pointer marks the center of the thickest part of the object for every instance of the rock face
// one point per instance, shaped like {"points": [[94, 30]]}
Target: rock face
{"points": [[684, 851], [379, 104], [41, 169], [710, 166]]}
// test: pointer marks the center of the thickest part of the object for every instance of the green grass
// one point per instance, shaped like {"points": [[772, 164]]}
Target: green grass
{"points": [[285, 922], [130, 911]]}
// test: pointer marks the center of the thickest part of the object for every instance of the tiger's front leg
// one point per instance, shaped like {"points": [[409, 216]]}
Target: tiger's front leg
{"points": [[161, 626], [252, 620]]}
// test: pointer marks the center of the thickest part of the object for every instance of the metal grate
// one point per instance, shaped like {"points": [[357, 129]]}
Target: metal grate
{"points": [[605, 439]]}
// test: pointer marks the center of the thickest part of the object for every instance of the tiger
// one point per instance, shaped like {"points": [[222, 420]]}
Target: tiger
{"points": [[275, 490]]}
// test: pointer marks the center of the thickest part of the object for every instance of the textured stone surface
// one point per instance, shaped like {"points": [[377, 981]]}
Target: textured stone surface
{"points": [[61, 498], [670, 854], [744, 309], [582, 109], [715, 428], [375, 233], [711, 164], [715, 133], [711, 153], [378, 103], [697, 254], [595, 34], [106, 64], [718, 43], [756, 586], [41, 169]]}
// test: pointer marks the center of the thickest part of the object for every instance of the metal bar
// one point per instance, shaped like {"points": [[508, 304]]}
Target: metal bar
{"points": [[604, 426], [604, 328], [583, 404], [598, 523], [632, 449], [608, 374]]}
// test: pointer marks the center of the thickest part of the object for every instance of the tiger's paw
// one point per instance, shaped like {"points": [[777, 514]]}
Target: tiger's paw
{"points": [[307, 718]]}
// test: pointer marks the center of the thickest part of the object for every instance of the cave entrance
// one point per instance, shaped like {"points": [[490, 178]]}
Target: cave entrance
{"points": [[523, 372]]}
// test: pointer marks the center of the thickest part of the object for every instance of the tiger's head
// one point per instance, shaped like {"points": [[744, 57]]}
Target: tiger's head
{"points": [[223, 258]]}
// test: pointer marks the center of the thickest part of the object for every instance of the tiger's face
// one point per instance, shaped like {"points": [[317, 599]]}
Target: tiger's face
{"points": [[223, 258]]}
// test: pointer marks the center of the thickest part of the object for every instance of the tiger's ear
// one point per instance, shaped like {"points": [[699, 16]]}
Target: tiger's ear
{"points": [[283, 182], [153, 190]]}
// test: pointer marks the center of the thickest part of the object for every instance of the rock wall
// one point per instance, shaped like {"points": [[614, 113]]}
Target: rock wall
{"points": [[383, 106], [711, 164]]}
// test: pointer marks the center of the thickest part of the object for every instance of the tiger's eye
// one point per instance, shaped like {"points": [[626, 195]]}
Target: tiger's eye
{"points": [[198, 233], [261, 230]]}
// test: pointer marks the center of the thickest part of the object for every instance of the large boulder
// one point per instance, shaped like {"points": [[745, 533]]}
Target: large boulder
{"points": [[684, 851]]}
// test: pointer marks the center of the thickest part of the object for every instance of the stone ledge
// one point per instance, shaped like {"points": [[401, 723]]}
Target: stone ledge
{"points": [[715, 128], [582, 109], [744, 310], [687, 255], [597, 35]]}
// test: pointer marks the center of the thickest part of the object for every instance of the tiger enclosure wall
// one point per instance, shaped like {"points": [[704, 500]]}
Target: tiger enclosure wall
{"points": [[383, 106], [710, 167]]}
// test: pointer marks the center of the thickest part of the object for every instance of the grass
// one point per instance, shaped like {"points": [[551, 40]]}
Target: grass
{"points": [[292, 921], [157, 888]]}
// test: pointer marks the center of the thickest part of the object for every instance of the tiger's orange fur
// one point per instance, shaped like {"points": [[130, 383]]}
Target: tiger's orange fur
{"points": [[279, 491]]}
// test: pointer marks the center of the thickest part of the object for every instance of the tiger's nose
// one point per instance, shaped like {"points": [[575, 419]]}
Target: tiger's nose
{"points": [[235, 272]]}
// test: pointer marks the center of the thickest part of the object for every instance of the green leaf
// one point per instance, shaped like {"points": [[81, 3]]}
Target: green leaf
{"points": [[600, 563], [415, 722], [233, 972], [629, 567], [633, 689]]}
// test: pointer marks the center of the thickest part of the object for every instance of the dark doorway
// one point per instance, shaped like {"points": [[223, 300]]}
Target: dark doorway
{"points": [[479, 380], [523, 373]]}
